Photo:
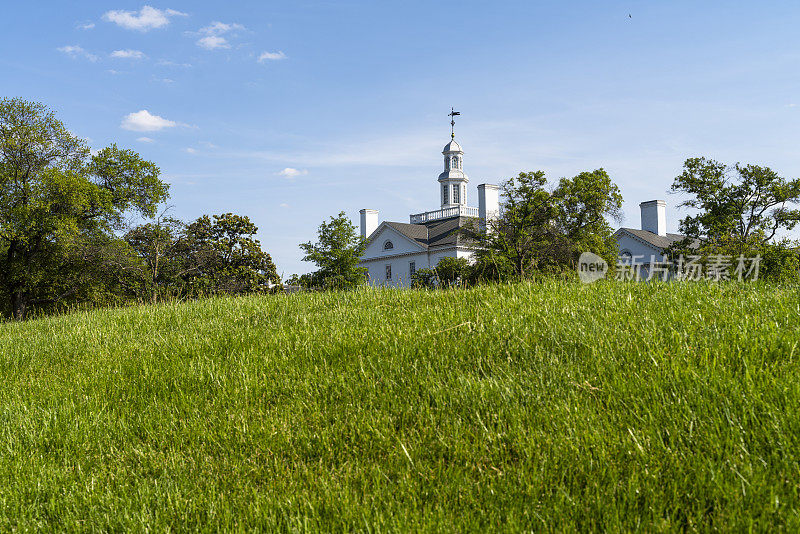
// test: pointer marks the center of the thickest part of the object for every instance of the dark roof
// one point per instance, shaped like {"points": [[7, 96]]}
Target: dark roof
{"points": [[440, 233], [659, 241], [415, 232]]}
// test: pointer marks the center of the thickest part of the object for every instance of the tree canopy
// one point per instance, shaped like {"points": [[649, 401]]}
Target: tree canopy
{"points": [[744, 202], [337, 253], [739, 210], [57, 202], [545, 230]]}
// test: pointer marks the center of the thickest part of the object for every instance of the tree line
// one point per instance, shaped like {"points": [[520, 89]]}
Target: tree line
{"points": [[66, 238], [65, 235]]}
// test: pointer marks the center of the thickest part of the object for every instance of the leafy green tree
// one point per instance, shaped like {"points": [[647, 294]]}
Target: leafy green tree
{"points": [[584, 204], [741, 211], [157, 244], [305, 281], [451, 271], [540, 230], [56, 199], [221, 255], [523, 234], [425, 278], [746, 203], [337, 254]]}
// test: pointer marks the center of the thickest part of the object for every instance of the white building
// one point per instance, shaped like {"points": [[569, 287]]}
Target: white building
{"points": [[646, 246], [395, 250]]}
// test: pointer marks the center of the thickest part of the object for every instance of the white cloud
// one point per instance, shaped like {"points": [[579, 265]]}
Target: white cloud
{"points": [[86, 26], [191, 150], [271, 56], [144, 121], [145, 140], [144, 20], [75, 51], [284, 205], [208, 145], [213, 35], [289, 172], [128, 54], [217, 28], [212, 42], [168, 63]]}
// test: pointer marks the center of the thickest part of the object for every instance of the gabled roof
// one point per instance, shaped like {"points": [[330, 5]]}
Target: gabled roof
{"points": [[440, 233], [658, 241], [415, 232]]}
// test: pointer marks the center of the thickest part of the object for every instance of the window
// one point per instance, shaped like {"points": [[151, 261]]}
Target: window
{"points": [[455, 162], [456, 193], [446, 163], [388, 272], [445, 196], [412, 268], [388, 245]]}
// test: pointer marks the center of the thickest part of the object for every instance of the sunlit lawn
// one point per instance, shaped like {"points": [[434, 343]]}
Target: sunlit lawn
{"points": [[532, 406]]}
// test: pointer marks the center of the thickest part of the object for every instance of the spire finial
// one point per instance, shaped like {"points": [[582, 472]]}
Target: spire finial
{"points": [[452, 116]]}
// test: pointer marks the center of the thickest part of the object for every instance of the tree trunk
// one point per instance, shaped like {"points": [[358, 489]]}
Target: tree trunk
{"points": [[19, 305]]}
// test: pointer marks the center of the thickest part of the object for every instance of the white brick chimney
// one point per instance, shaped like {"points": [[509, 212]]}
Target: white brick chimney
{"points": [[488, 203], [654, 216], [369, 222]]}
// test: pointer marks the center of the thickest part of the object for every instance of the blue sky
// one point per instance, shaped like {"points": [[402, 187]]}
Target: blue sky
{"points": [[352, 97]]}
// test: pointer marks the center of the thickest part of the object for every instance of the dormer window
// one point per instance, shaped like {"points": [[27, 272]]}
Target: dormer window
{"points": [[388, 245]]}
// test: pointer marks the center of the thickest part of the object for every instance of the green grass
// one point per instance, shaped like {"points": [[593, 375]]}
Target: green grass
{"points": [[534, 406]]}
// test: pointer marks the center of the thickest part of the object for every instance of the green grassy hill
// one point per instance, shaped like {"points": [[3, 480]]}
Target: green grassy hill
{"points": [[532, 406]]}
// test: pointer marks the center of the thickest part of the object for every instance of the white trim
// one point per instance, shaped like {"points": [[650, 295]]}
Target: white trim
{"points": [[428, 251]]}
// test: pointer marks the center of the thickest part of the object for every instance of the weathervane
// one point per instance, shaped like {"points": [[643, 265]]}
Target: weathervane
{"points": [[452, 116]]}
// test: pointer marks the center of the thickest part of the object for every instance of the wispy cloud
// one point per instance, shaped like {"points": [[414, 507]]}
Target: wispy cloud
{"points": [[145, 19], [191, 150], [213, 35], [85, 26], [284, 205], [128, 54], [271, 56], [169, 63], [216, 28], [208, 145], [145, 140], [290, 172], [75, 51], [144, 121]]}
